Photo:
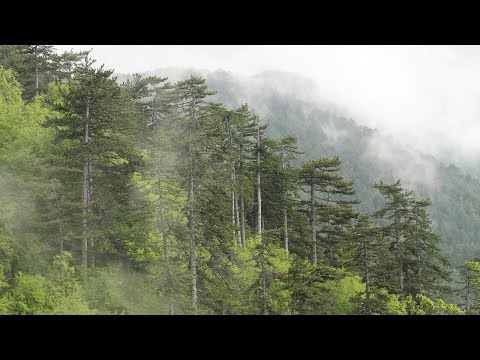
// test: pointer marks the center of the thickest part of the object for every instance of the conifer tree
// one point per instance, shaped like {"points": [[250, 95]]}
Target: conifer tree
{"points": [[325, 187], [281, 185], [470, 274], [97, 117], [419, 265], [191, 104], [370, 254]]}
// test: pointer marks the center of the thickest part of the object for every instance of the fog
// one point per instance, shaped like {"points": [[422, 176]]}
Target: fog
{"points": [[425, 96]]}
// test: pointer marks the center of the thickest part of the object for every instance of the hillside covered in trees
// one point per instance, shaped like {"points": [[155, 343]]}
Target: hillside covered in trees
{"points": [[367, 155], [148, 195]]}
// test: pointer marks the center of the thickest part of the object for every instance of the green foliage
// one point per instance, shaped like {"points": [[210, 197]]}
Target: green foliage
{"points": [[37, 66], [30, 295], [342, 292], [418, 264], [470, 275], [423, 305], [393, 305], [59, 293], [118, 290], [157, 186]]}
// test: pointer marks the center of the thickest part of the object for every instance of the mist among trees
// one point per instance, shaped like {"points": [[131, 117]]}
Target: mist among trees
{"points": [[147, 196]]}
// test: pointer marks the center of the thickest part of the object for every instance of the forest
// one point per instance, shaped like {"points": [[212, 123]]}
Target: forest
{"points": [[152, 196]]}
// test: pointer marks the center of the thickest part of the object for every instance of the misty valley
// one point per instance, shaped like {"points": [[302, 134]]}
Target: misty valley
{"points": [[186, 191]]}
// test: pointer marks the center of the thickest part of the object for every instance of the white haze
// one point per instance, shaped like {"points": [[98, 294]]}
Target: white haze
{"points": [[426, 96]]}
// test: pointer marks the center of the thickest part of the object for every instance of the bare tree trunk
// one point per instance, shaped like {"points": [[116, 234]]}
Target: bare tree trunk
{"points": [[259, 192], [242, 201], [36, 70], [242, 220], [237, 221], [313, 223], [285, 228], [235, 215], [86, 191]]}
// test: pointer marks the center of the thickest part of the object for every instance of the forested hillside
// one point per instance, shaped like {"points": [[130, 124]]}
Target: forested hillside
{"points": [[287, 100], [149, 195]]}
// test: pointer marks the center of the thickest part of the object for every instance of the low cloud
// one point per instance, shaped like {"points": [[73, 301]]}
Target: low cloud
{"points": [[395, 161], [425, 96]]}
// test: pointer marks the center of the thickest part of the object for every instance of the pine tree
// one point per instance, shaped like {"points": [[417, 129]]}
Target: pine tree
{"points": [[471, 277], [187, 206], [325, 187], [396, 210], [39, 65], [420, 268], [63, 65], [429, 268], [97, 117], [281, 184], [243, 144], [370, 254], [259, 219], [192, 107], [33, 64]]}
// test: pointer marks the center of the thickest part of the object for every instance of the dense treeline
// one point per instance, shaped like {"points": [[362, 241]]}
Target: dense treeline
{"points": [[147, 197], [367, 154]]}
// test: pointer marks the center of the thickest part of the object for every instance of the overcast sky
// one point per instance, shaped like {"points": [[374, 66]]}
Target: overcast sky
{"points": [[429, 95]]}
